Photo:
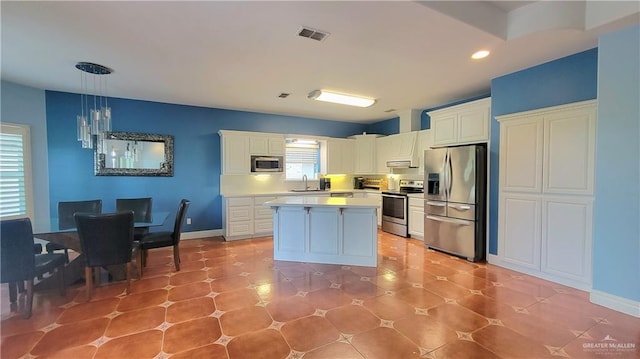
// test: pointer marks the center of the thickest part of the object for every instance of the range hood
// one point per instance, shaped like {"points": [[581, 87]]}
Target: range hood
{"points": [[401, 164], [403, 151]]}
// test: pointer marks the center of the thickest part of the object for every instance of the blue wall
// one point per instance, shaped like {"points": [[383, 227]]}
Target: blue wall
{"points": [[616, 229], [566, 80], [196, 153]]}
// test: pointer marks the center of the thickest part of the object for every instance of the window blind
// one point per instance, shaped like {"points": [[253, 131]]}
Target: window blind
{"points": [[14, 171], [302, 159]]}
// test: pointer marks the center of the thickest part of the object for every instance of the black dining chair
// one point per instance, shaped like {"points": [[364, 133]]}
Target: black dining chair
{"points": [[66, 220], [106, 239], [19, 263], [164, 239], [141, 208]]}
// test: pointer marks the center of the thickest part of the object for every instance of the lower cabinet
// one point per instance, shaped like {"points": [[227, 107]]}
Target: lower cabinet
{"points": [[246, 217], [326, 235], [550, 235], [416, 218]]}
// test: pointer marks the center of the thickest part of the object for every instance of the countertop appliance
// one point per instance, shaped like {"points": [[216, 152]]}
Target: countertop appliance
{"points": [[395, 207], [358, 182], [372, 183], [266, 163], [325, 183], [455, 200]]}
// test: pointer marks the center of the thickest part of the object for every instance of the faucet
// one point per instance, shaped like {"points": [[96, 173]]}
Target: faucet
{"points": [[306, 186]]}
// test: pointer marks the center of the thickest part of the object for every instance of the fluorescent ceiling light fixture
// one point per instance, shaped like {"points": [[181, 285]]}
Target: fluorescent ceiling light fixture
{"points": [[480, 54], [344, 99]]}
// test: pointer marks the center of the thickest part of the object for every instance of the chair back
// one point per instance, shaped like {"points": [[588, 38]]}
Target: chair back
{"points": [[141, 208], [182, 212], [17, 260], [67, 209], [106, 239]]}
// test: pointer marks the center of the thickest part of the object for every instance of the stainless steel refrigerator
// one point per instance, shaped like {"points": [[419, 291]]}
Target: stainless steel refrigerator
{"points": [[455, 192]]}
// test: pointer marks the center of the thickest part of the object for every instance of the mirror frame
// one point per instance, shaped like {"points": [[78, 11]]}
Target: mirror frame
{"points": [[165, 171]]}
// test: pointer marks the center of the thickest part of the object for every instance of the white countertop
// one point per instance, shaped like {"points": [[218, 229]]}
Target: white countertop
{"points": [[311, 201], [292, 193]]}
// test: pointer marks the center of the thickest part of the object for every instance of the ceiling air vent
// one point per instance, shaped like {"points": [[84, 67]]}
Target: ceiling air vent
{"points": [[284, 95], [390, 110], [312, 33]]}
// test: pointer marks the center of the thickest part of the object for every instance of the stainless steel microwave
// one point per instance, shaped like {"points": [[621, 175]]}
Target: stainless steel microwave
{"points": [[266, 163]]}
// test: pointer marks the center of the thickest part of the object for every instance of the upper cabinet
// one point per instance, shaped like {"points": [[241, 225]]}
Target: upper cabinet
{"points": [[234, 147], [340, 156], [272, 145], [365, 154], [461, 124]]}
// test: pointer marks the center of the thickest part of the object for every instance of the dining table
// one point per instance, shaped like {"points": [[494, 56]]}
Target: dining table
{"points": [[74, 270]]}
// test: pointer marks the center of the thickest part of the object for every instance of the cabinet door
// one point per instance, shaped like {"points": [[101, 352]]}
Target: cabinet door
{"points": [[236, 158], [276, 146], [378, 198], [340, 156], [359, 231], [473, 125], [425, 141], [365, 155], [569, 152], [289, 226], [519, 228], [445, 129], [259, 145], [566, 237], [416, 218], [323, 230], [521, 155]]}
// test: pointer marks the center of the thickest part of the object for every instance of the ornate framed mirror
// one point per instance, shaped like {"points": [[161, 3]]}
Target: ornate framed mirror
{"points": [[134, 154]]}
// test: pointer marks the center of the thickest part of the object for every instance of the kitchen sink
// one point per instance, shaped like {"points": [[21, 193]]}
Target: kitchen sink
{"points": [[306, 190]]}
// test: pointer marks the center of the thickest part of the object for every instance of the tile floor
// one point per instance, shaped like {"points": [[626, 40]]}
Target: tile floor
{"points": [[231, 300]]}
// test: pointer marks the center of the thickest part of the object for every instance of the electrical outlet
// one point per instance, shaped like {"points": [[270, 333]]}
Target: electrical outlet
{"points": [[188, 220]]}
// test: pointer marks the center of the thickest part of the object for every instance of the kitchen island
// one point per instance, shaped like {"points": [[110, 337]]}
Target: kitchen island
{"points": [[332, 230]]}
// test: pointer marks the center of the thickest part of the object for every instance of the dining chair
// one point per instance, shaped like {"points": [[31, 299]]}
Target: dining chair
{"points": [[19, 263], [141, 208], [164, 239], [66, 220], [106, 239]]}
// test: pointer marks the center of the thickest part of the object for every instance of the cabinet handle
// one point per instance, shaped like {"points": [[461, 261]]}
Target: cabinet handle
{"points": [[307, 209]]}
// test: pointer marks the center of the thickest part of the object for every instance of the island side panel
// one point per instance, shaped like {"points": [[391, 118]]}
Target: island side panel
{"points": [[289, 232], [324, 231], [360, 235]]}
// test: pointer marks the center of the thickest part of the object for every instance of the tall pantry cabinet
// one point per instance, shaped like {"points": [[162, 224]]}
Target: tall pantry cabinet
{"points": [[546, 187]]}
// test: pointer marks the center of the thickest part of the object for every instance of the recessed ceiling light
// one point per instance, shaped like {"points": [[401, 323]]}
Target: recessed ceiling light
{"points": [[480, 54], [344, 99]]}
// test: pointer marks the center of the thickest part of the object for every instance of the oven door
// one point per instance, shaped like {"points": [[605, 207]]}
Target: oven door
{"points": [[394, 208]]}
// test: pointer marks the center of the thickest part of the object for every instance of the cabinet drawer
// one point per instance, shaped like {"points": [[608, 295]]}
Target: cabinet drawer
{"points": [[236, 214], [263, 226], [262, 213], [241, 228], [240, 201]]}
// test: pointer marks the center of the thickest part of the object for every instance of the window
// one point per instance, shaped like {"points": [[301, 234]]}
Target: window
{"points": [[15, 172], [302, 158]]}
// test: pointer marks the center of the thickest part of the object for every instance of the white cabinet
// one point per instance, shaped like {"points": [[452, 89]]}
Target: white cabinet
{"points": [[365, 154], [424, 142], [546, 192], [461, 124], [262, 217], [238, 219], [383, 147], [340, 156], [235, 153], [398, 147], [267, 145], [416, 217]]}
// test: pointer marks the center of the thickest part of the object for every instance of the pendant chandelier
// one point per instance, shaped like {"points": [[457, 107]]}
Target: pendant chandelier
{"points": [[94, 119]]}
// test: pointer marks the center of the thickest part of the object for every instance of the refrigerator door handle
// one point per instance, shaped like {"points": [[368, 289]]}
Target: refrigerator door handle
{"points": [[436, 204], [449, 174], [461, 222], [460, 207]]}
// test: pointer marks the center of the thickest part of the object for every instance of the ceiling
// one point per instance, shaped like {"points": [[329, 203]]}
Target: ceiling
{"points": [[241, 55]]}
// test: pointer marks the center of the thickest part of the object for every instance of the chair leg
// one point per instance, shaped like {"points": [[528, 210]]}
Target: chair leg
{"points": [[29, 301], [128, 278], [88, 273], [176, 257], [13, 292], [60, 274]]}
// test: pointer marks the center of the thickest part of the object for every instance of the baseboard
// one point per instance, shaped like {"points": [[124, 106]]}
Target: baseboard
{"points": [[624, 305], [201, 234]]}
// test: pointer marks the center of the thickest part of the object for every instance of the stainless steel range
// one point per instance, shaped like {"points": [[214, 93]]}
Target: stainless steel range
{"points": [[395, 207]]}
